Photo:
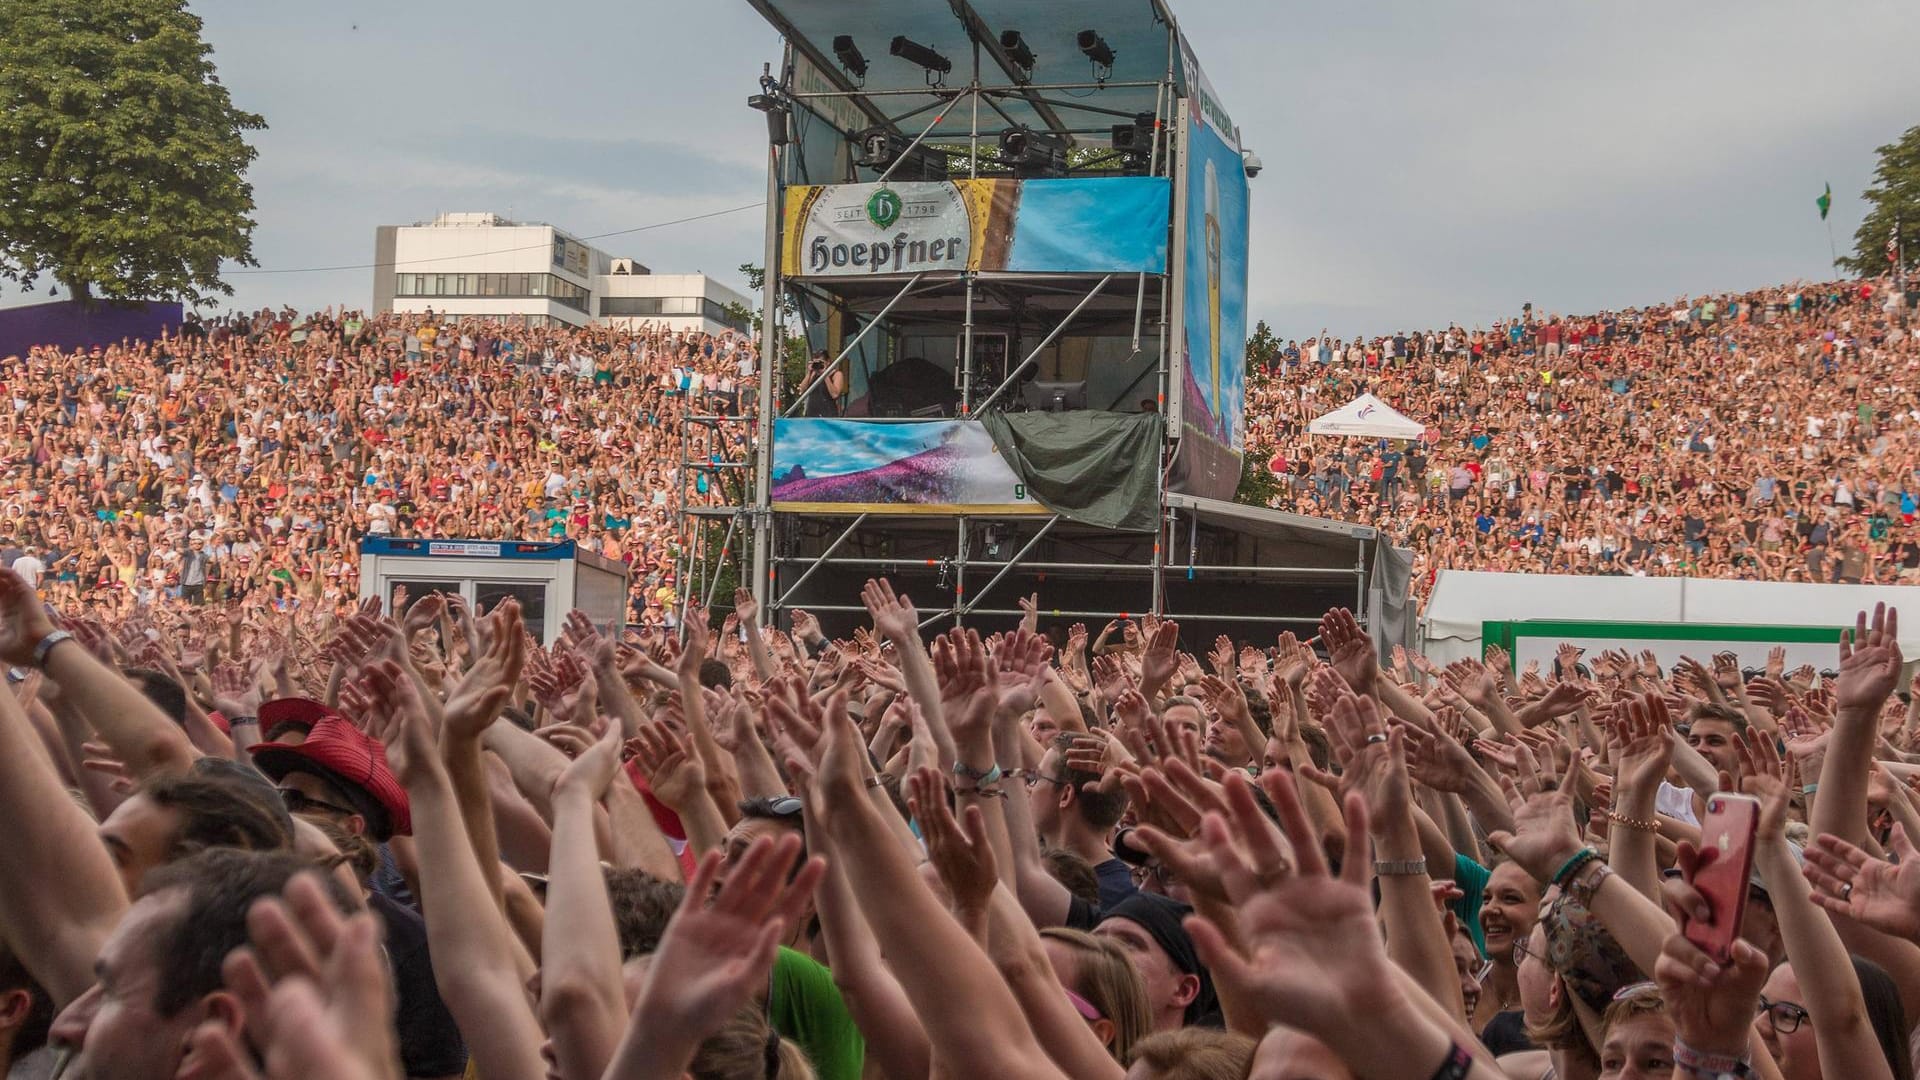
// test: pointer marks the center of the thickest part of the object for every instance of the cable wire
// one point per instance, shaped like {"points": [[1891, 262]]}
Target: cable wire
{"points": [[501, 251]]}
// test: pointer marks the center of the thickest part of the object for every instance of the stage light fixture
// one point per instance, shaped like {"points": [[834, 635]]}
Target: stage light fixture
{"points": [[1096, 49], [1136, 137], [914, 52], [1033, 153], [776, 110], [1017, 50], [850, 56]]}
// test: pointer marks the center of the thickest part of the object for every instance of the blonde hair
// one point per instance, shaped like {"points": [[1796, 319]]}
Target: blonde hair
{"points": [[1196, 1054], [1108, 980], [747, 1048]]}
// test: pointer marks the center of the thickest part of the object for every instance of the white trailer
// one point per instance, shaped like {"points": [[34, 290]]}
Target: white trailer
{"points": [[548, 578]]}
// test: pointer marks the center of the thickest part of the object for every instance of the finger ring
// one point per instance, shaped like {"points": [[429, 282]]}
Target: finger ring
{"points": [[1846, 890], [1376, 738]]}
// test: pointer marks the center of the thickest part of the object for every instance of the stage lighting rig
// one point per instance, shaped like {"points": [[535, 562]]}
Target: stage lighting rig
{"points": [[1033, 153], [1017, 51], [913, 52], [1134, 141], [770, 101], [1099, 52], [850, 57], [877, 148]]}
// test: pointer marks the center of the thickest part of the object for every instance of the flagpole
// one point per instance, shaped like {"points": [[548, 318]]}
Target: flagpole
{"points": [[1833, 255]]}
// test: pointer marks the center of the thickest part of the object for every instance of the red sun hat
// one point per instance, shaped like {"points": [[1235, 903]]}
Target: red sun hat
{"points": [[340, 753]]}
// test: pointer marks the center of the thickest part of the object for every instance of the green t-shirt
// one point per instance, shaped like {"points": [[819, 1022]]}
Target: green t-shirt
{"points": [[805, 1006], [1471, 878]]}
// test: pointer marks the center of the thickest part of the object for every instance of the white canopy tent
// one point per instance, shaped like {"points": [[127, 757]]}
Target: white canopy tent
{"points": [[1367, 417]]}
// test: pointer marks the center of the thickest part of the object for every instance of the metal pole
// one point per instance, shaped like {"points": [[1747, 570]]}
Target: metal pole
{"points": [[1011, 563], [800, 398], [720, 560], [928, 130], [973, 126], [1044, 342], [960, 573], [1153, 159], [770, 358], [818, 561]]}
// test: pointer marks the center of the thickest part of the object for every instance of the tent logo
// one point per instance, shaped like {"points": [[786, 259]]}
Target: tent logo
{"points": [[1365, 411], [883, 209]]}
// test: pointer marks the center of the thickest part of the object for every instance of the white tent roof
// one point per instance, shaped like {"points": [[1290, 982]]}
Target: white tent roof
{"points": [[1367, 416]]}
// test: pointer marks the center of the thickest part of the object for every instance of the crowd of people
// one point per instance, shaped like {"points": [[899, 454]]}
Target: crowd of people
{"points": [[1772, 435], [241, 460], [417, 843]]}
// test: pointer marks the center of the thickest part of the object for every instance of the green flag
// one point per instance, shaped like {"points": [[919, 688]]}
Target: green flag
{"points": [[1825, 202]]}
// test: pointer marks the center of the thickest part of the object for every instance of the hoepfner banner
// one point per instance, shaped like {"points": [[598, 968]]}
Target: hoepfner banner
{"points": [[1106, 225]]}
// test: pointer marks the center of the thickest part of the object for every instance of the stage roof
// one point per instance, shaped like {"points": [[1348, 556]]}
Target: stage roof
{"points": [[895, 90]]}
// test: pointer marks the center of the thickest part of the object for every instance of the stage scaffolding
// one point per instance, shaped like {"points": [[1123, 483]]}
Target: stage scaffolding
{"points": [[1207, 562]]}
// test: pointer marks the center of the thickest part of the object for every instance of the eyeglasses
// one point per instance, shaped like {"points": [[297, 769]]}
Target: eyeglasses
{"points": [[1152, 872], [1785, 1016], [1036, 776], [299, 802], [1088, 1010], [1521, 952], [785, 806]]}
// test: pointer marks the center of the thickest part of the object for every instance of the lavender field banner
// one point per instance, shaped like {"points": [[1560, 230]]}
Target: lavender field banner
{"points": [[919, 467]]}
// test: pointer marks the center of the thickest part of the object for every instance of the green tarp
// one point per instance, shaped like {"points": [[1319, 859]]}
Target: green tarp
{"points": [[1091, 467]]}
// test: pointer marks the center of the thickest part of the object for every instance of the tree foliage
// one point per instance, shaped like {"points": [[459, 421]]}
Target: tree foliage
{"points": [[122, 158], [1893, 197]]}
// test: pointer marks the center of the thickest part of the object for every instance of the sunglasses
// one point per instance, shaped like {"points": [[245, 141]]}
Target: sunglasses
{"points": [[300, 802], [786, 806]]}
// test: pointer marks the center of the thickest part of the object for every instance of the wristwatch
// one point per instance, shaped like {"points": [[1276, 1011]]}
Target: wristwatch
{"points": [[45, 645]]}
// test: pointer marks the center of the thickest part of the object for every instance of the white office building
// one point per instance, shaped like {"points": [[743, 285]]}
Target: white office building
{"points": [[478, 265]]}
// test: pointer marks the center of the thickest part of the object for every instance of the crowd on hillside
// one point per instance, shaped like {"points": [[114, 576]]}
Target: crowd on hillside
{"points": [[1772, 435], [243, 459], [416, 843]]}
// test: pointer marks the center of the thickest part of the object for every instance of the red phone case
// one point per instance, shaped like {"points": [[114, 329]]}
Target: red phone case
{"points": [[1726, 852]]}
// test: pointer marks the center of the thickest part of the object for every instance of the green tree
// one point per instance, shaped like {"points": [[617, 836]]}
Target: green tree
{"points": [[1893, 198], [1263, 348], [122, 158]]}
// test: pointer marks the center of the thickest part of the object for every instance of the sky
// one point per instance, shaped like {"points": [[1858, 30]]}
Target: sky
{"points": [[1425, 163]]}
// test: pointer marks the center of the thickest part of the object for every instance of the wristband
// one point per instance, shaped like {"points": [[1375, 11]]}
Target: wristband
{"points": [[1809, 789], [45, 645], [1567, 868], [990, 776], [1586, 881], [1400, 867], [1711, 1066], [1455, 1066], [236, 721], [876, 780]]}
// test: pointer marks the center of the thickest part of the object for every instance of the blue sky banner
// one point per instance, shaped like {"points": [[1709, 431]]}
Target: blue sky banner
{"points": [[1115, 224], [924, 467], [1213, 282]]}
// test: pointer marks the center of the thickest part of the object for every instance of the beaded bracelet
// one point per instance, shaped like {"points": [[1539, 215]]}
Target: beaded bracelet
{"points": [[1649, 825], [1579, 859]]}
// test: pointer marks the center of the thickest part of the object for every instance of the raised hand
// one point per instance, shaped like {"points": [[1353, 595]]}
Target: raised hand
{"points": [[963, 859], [893, 615], [1875, 893], [1310, 953], [397, 718], [476, 700], [1869, 663], [316, 993], [715, 956], [674, 772], [1646, 751], [1349, 650], [23, 622], [593, 770], [1544, 834], [969, 684], [1373, 761], [1162, 657], [1221, 658]]}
